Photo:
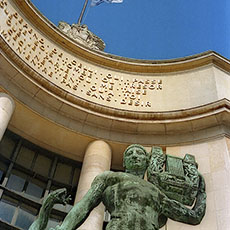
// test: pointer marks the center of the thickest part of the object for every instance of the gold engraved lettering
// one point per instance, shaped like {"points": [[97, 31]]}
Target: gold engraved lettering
{"points": [[42, 48], [30, 31], [65, 76], [34, 48], [25, 26], [159, 87], [148, 104], [16, 15], [88, 80], [133, 97], [94, 95], [2, 3], [93, 88], [35, 36], [41, 41], [81, 77], [141, 82], [50, 74], [24, 32], [101, 90], [43, 62], [123, 101], [103, 85], [4, 34], [68, 85], [20, 21], [130, 102], [88, 93], [152, 87], [50, 61], [139, 86], [105, 80], [20, 43], [108, 99], [6, 11], [44, 70], [74, 62], [137, 103], [63, 81], [111, 94], [27, 57], [8, 22], [109, 76], [35, 60], [69, 66], [19, 49], [10, 32], [75, 87], [116, 78], [101, 97]]}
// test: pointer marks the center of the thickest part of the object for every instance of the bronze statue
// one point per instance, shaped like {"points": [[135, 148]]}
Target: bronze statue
{"points": [[134, 203], [58, 196]]}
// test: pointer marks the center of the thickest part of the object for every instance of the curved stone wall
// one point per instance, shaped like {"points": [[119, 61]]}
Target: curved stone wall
{"points": [[87, 95]]}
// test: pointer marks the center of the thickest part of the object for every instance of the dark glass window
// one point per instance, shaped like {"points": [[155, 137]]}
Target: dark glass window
{"points": [[42, 165], [63, 173], [34, 171], [7, 209], [35, 188], [3, 169], [26, 216], [7, 146], [25, 157], [16, 181]]}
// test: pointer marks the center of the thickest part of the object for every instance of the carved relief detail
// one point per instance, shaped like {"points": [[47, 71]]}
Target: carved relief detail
{"points": [[82, 34]]}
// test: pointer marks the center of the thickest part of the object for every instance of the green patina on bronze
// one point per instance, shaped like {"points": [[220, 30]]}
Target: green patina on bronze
{"points": [[58, 196], [176, 177], [137, 204]]}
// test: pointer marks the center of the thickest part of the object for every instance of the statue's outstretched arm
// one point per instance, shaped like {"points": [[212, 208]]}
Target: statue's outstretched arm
{"points": [[82, 209], [179, 212]]}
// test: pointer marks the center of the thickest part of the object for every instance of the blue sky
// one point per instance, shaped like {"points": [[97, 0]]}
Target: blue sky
{"points": [[151, 29]]}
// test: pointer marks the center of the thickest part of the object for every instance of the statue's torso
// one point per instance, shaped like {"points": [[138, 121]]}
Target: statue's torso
{"points": [[133, 202]]}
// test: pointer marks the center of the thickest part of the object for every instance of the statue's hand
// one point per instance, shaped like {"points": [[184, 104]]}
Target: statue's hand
{"points": [[61, 197], [67, 199]]}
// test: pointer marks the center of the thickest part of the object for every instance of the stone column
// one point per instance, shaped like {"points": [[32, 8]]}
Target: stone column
{"points": [[97, 160], [7, 106]]}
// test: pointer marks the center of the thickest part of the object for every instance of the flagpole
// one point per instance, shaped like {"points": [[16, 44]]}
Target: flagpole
{"points": [[82, 12]]}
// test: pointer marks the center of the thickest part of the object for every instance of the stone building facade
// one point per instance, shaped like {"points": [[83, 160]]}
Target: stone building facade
{"points": [[68, 112]]}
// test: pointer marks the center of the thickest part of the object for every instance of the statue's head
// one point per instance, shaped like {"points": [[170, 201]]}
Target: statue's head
{"points": [[135, 158]]}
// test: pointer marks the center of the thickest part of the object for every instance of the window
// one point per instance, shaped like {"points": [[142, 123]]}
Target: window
{"points": [[7, 208], [7, 146], [31, 171], [42, 165], [26, 216], [35, 188], [16, 181], [63, 173], [25, 157]]}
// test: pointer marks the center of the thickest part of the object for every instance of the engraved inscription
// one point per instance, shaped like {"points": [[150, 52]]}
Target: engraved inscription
{"points": [[73, 75]]}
